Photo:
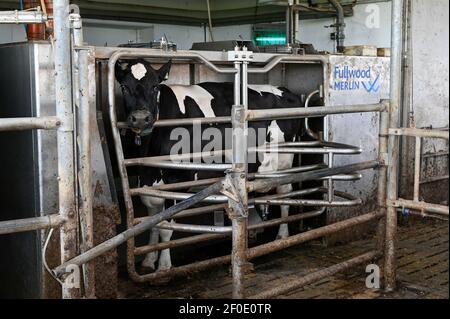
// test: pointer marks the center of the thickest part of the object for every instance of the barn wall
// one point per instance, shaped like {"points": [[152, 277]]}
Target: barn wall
{"points": [[430, 98], [360, 29]]}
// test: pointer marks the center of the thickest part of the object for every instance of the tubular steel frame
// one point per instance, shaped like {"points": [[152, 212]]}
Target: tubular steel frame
{"points": [[236, 184], [237, 171]]}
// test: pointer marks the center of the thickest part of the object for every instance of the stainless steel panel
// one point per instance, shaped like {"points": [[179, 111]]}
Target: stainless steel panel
{"points": [[346, 88]]}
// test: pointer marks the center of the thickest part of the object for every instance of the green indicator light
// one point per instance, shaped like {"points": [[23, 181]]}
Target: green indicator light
{"points": [[271, 39]]}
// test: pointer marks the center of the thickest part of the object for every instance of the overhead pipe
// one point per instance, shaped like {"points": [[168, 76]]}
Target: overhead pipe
{"points": [[340, 25], [19, 17]]}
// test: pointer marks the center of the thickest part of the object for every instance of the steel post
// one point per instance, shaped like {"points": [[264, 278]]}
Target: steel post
{"points": [[65, 140], [393, 144], [382, 177], [237, 177]]}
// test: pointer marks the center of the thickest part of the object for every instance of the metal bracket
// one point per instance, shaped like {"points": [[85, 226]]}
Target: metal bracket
{"points": [[236, 209], [240, 55]]}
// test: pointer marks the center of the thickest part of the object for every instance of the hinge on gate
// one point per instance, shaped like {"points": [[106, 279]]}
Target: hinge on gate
{"points": [[235, 208]]}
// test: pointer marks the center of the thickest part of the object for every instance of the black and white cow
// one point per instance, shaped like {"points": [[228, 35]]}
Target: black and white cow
{"points": [[147, 100]]}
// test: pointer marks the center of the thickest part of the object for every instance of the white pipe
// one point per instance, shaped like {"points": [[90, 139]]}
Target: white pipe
{"points": [[18, 17]]}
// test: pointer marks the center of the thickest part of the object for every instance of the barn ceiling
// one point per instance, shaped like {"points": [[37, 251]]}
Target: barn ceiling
{"points": [[194, 12]]}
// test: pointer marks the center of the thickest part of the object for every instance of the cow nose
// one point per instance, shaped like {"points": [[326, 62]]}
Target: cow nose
{"points": [[139, 119]]}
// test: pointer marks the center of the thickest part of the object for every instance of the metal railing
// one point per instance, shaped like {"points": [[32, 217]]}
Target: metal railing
{"points": [[416, 206], [65, 123], [236, 184]]}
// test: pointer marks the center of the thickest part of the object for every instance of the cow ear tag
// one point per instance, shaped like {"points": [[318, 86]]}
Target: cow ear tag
{"points": [[137, 140]]}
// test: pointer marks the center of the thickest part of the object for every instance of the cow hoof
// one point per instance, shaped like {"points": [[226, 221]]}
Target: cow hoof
{"points": [[164, 267], [147, 269]]}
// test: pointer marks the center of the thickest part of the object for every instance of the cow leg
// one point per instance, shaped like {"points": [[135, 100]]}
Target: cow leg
{"points": [[152, 257], [283, 231], [154, 206], [165, 261]]}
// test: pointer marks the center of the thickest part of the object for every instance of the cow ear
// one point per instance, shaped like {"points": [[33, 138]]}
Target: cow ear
{"points": [[121, 69], [163, 72]]}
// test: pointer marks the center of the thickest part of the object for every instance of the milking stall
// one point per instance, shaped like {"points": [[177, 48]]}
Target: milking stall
{"points": [[207, 149]]}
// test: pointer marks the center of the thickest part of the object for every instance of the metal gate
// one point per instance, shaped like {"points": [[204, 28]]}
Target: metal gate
{"points": [[234, 187]]}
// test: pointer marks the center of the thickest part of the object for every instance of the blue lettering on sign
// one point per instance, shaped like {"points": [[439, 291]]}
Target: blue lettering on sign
{"points": [[348, 79]]}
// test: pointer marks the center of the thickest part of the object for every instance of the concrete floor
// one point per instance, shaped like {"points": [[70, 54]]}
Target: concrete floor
{"points": [[423, 256]]}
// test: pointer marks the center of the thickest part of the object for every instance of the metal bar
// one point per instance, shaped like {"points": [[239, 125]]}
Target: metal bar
{"points": [[307, 147], [417, 168], [339, 25], [417, 132], [19, 17], [29, 123], [330, 183], [208, 237], [306, 176], [189, 212], [266, 114], [304, 150], [29, 224], [437, 154], [239, 255], [318, 111], [268, 200], [425, 215], [421, 206], [126, 53], [308, 130], [382, 177], [296, 283], [85, 163], [65, 139], [207, 209], [190, 228], [146, 191], [393, 143], [238, 211], [310, 235], [186, 165], [309, 202], [184, 185], [262, 250], [185, 121], [288, 58], [296, 22], [434, 179], [137, 229]]}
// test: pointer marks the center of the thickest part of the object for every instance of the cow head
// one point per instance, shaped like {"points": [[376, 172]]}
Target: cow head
{"points": [[140, 85]]}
